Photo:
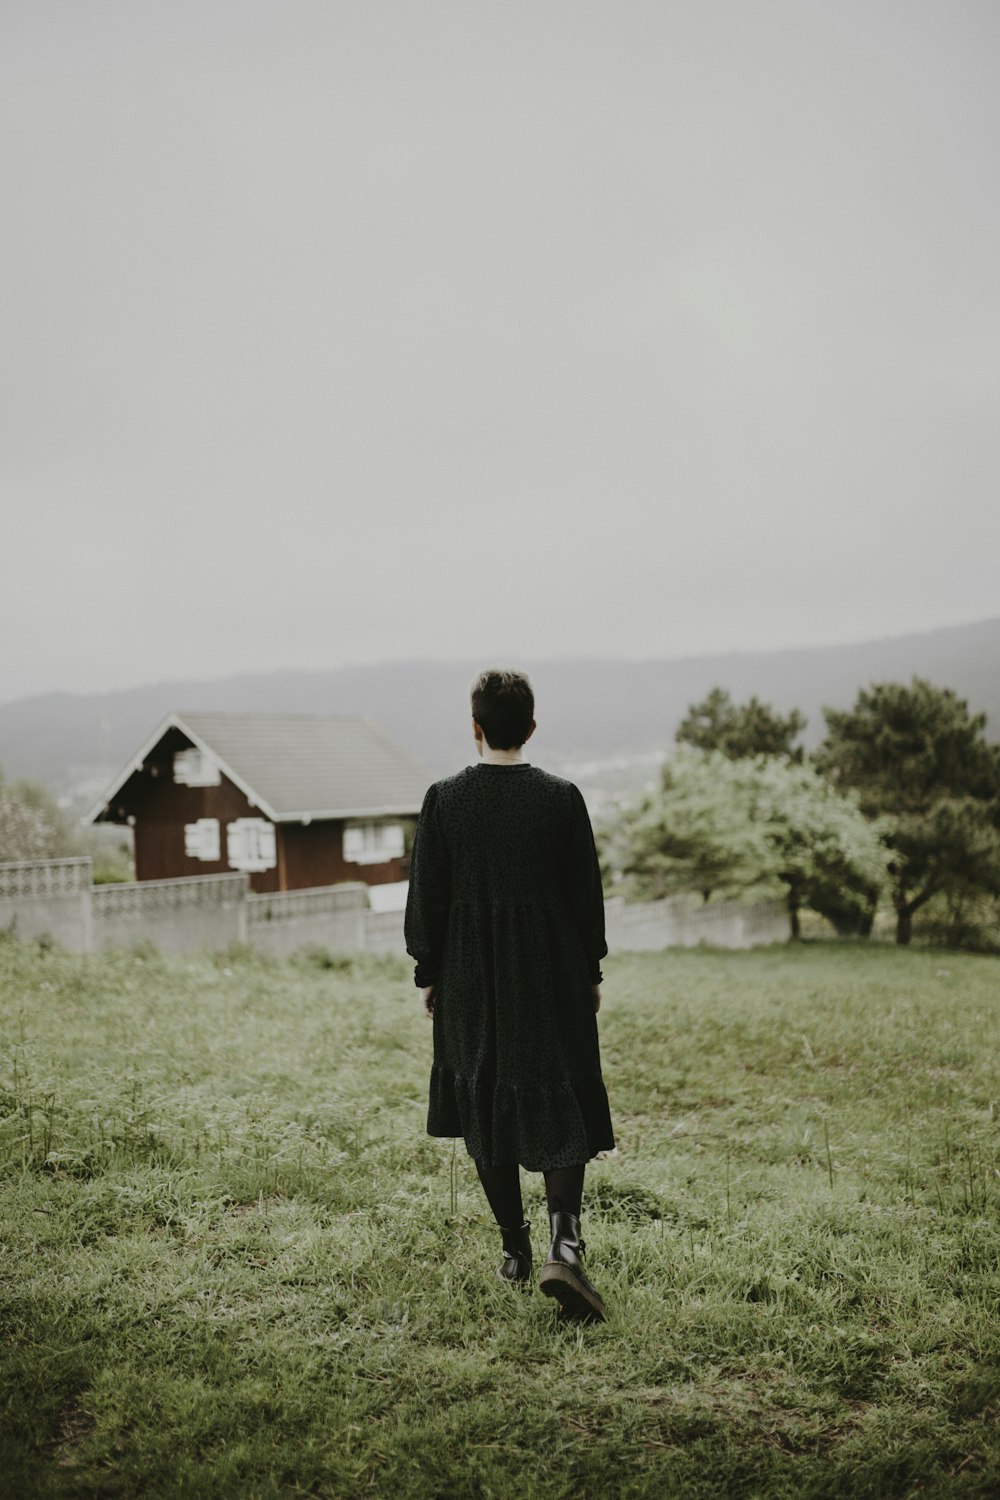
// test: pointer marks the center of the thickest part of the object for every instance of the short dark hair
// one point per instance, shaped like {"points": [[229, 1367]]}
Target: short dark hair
{"points": [[503, 705]]}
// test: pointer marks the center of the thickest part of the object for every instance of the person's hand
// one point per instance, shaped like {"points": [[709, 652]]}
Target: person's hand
{"points": [[427, 999], [597, 996]]}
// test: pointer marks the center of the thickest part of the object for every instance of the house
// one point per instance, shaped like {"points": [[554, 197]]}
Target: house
{"points": [[296, 800]]}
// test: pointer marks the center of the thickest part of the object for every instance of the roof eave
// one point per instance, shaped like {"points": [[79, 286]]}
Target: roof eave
{"points": [[133, 764]]}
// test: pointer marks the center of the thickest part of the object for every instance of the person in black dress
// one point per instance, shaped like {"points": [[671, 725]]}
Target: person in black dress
{"points": [[505, 919]]}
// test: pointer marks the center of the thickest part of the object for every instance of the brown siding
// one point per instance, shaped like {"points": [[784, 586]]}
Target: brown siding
{"points": [[161, 808], [314, 855]]}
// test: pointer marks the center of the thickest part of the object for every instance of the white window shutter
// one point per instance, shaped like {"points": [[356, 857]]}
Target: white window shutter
{"points": [[251, 845], [372, 843], [195, 768], [201, 839]]}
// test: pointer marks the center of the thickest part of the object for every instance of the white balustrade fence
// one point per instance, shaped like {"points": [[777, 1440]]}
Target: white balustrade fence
{"points": [[201, 911], [48, 898], [56, 899], [332, 916]]}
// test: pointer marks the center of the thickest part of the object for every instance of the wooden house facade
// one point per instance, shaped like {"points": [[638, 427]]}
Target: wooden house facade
{"points": [[295, 800]]}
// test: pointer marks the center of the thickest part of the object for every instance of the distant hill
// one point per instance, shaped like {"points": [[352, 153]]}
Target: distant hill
{"points": [[618, 714]]}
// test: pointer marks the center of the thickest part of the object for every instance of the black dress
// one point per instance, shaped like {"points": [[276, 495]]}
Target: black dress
{"points": [[505, 917]]}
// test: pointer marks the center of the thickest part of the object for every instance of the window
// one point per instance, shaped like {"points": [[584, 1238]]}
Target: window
{"points": [[251, 845], [195, 768], [372, 843], [201, 839]]}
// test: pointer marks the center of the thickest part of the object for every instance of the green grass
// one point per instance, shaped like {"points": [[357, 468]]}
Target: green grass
{"points": [[233, 1264]]}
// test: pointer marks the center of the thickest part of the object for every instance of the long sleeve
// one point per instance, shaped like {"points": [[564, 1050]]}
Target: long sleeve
{"points": [[429, 894], [586, 895]]}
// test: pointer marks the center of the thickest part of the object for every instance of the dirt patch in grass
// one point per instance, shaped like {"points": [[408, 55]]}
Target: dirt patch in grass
{"points": [[73, 1427]]}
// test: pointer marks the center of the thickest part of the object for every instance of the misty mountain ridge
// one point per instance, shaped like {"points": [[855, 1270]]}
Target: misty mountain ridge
{"points": [[600, 721]]}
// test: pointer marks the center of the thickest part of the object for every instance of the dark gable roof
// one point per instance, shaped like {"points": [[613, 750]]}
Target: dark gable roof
{"points": [[302, 766]]}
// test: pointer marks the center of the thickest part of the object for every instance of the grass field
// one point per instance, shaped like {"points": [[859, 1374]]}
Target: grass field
{"points": [[233, 1264]]}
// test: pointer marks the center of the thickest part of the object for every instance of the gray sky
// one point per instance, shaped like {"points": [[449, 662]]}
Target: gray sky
{"points": [[342, 330]]}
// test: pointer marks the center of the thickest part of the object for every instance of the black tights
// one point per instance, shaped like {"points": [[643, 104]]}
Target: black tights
{"points": [[502, 1186]]}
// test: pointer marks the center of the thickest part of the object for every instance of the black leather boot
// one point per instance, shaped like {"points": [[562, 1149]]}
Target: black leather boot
{"points": [[562, 1275], [517, 1249]]}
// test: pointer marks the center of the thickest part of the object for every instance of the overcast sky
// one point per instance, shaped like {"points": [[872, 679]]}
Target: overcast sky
{"points": [[353, 330]]}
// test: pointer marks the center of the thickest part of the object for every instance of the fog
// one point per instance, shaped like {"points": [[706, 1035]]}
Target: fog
{"points": [[350, 332]]}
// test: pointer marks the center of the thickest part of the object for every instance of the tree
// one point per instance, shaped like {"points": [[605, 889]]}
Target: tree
{"points": [[827, 854], [31, 825], [739, 731], [718, 825], [971, 846], [916, 757], [692, 833]]}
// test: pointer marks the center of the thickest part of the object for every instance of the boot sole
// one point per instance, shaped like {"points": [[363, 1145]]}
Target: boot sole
{"points": [[575, 1299]]}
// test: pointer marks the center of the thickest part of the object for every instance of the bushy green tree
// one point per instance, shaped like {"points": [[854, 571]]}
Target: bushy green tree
{"points": [[692, 833], [740, 730], [919, 760], [31, 825], [828, 855], [721, 826]]}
